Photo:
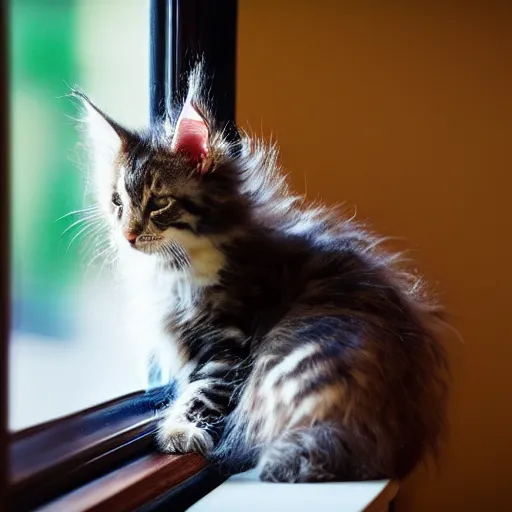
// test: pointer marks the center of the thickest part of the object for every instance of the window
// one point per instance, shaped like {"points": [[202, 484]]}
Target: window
{"points": [[70, 348], [80, 411]]}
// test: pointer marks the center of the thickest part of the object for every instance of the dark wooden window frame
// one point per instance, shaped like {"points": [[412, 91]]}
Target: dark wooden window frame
{"points": [[103, 458]]}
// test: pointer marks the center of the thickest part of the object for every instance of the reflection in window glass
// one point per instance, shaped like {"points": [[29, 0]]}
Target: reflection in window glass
{"points": [[70, 345]]}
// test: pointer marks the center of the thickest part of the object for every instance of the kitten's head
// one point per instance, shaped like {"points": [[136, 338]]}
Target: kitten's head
{"points": [[170, 192]]}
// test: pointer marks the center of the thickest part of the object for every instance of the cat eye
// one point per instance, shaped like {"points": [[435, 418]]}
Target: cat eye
{"points": [[116, 201], [159, 203]]}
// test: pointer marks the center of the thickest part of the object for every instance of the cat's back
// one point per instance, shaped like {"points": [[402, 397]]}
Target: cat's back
{"points": [[274, 272]]}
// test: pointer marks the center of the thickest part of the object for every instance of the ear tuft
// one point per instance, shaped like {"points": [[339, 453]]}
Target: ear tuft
{"points": [[192, 133]]}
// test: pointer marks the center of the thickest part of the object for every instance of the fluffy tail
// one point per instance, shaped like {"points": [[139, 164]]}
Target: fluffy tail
{"points": [[310, 454]]}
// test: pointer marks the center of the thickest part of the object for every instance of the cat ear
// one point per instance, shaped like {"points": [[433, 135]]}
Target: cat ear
{"points": [[105, 139], [105, 135], [192, 135]]}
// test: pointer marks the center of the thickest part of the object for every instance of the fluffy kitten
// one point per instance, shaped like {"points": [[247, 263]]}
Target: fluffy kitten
{"points": [[303, 348]]}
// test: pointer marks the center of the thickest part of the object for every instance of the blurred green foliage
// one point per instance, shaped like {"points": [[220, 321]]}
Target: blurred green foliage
{"points": [[46, 184]]}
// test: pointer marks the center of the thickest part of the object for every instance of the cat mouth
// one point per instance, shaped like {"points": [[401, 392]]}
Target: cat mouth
{"points": [[147, 243], [148, 238]]}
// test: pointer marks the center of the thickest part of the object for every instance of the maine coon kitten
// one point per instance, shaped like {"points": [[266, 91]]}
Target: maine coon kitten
{"points": [[303, 348]]}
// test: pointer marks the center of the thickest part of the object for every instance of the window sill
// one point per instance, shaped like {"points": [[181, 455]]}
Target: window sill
{"points": [[103, 458], [132, 486], [245, 492], [156, 483], [55, 458]]}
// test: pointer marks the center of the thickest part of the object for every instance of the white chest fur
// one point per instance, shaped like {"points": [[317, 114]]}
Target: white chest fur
{"points": [[154, 292]]}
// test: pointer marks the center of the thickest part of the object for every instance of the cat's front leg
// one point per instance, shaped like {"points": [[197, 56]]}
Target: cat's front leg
{"points": [[191, 422], [194, 421]]}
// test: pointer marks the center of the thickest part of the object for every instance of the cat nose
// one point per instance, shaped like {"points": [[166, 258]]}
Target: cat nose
{"points": [[130, 236]]}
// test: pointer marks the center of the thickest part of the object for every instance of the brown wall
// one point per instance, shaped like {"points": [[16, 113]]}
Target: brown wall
{"points": [[406, 112]]}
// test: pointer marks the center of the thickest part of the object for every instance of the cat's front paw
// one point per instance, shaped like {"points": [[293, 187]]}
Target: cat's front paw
{"points": [[180, 436]]}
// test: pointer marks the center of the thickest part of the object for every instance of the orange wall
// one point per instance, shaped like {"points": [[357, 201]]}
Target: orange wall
{"points": [[406, 112]]}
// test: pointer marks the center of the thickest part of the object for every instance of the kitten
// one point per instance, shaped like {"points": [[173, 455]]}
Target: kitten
{"points": [[303, 348]]}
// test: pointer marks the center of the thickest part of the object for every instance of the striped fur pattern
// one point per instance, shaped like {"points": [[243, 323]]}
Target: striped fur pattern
{"points": [[300, 346]]}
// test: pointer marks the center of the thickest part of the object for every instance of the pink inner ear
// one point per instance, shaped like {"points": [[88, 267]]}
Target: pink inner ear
{"points": [[191, 135]]}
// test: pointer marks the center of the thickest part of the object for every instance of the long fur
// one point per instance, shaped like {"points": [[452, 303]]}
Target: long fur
{"points": [[304, 348]]}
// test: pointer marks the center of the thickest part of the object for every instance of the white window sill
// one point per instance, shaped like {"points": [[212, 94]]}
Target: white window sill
{"points": [[246, 493]]}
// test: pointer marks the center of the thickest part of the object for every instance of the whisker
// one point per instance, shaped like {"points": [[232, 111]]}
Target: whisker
{"points": [[180, 250], [108, 263], [77, 212], [81, 221], [179, 253], [84, 229], [97, 234], [99, 254], [99, 247], [170, 253]]}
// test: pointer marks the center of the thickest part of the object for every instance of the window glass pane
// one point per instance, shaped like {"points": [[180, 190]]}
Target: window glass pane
{"points": [[71, 346]]}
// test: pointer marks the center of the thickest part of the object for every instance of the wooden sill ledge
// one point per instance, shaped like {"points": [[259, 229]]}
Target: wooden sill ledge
{"points": [[130, 486]]}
